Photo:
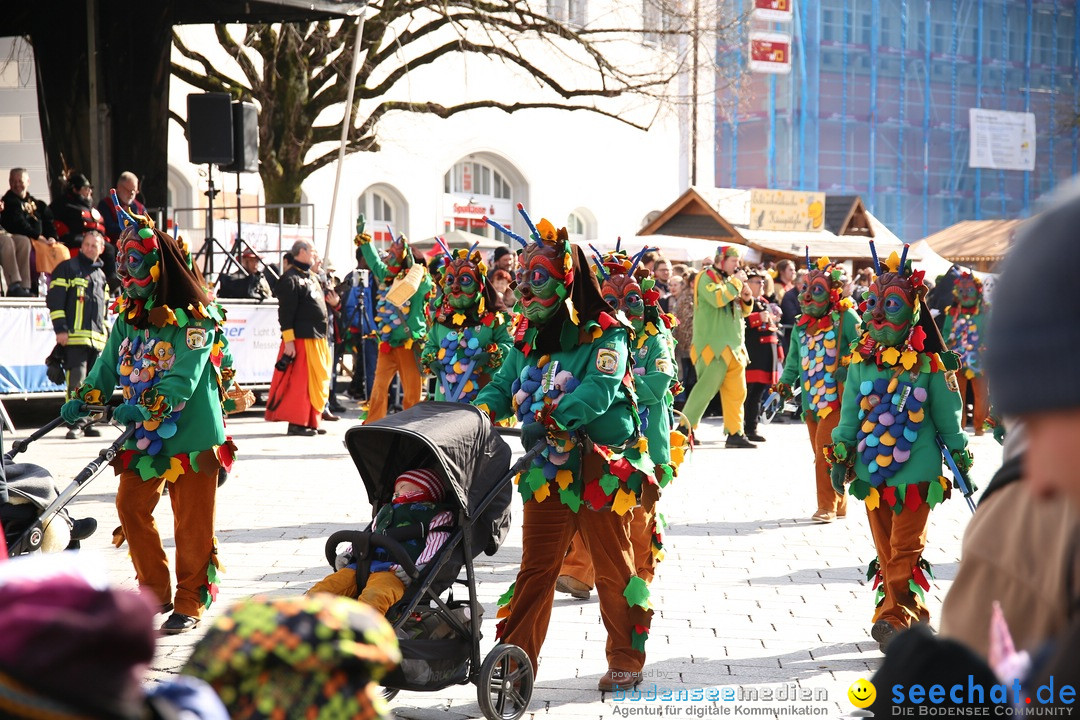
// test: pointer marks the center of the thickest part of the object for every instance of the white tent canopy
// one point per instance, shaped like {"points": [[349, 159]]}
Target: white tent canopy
{"points": [[673, 247]]}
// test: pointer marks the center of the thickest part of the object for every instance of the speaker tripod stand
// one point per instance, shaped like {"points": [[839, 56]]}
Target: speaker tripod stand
{"points": [[239, 246]]}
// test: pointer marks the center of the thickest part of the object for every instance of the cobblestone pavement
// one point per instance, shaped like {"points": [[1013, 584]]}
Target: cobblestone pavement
{"points": [[752, 596]]}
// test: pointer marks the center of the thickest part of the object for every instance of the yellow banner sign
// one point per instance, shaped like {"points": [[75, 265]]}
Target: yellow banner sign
{"points": [[789, 210]]}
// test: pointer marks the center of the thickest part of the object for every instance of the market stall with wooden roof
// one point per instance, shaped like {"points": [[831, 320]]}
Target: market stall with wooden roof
{"points": [[978, 244], [777, 224]]}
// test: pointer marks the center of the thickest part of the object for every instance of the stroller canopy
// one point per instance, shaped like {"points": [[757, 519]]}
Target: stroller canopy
{"points": [[454, 440]]}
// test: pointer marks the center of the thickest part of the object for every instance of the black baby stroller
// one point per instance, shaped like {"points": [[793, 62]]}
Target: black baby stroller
{"points": [[33, 504], [440, 639]]}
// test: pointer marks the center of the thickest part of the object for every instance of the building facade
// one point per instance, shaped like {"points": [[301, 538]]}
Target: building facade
{"points": [[877, 103]]}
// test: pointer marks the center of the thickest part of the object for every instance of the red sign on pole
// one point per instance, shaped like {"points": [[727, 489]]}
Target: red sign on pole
{"points": [[770, 53], [773, 10]]}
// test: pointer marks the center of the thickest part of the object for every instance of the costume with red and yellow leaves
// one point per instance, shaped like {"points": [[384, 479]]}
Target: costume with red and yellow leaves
{"points": [[630, 290], [467, 339], [817, 359], [900, 401], [400, 321], [168, 353], [569, 381], [965, 334]]}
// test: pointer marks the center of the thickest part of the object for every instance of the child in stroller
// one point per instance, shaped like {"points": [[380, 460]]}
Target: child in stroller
{"points": [[417, 501]]}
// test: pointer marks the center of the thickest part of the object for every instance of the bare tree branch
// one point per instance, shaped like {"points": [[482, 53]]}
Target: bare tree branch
{"points": [[299, 72]]}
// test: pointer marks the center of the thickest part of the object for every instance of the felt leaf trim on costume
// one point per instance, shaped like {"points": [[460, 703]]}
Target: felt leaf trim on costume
{"points": [[624, 502], [638, 638], [507, 596], [570, 499], [542, 493], [637, 593]]}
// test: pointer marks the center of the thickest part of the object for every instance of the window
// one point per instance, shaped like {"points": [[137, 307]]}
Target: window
{"points": [[378, 207], [476, 178], [650, 15], [579, 12], [581, 225], [829, 29], [556, 10], [575, 225]]}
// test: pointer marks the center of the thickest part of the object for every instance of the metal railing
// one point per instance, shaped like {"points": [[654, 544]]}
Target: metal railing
{"points": [[271, 239]]}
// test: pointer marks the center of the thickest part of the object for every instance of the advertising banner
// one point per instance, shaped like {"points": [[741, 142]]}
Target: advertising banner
{"points": [[773, 10], [770, 52], [1002, 140], [26, 339], [789, 210]]}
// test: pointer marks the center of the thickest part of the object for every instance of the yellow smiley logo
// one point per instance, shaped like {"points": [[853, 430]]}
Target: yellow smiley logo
{"points": [[862, 693]]}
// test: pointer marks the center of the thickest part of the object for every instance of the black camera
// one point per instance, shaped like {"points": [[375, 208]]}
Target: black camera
{"points": [[283, 364]]}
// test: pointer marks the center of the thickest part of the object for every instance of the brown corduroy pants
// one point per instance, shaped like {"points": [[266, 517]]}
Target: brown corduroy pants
{"points": [[981, 393], [820, 436], [900, 540], [192, 497], [547, 529], [578, 563]]}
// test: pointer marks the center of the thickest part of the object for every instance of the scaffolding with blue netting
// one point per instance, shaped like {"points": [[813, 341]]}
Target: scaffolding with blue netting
{"points": [[877, 103]]}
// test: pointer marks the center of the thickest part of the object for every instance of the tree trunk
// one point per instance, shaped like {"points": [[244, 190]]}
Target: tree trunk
{"points": [[282, 189]]}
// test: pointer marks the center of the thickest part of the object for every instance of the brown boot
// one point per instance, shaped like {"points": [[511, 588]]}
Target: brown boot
{"points": [[573, 587]]}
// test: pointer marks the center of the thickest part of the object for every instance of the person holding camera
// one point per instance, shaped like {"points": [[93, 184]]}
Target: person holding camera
{"points": [[301, 383]]}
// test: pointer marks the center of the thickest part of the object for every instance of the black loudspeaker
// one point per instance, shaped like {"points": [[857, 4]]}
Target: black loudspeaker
{"points": [[245, 120], [210, 128]]}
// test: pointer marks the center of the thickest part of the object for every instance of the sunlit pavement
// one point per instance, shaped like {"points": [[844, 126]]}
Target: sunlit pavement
{"points": [[751, 596]]}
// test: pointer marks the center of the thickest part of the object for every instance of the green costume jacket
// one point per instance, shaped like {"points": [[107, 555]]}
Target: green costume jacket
{"points": [[175, 374], [654, 377], [397, 327], [890, 420], [492, 335], [815, 353], [601, 406], [965, 334], [718, 319]]}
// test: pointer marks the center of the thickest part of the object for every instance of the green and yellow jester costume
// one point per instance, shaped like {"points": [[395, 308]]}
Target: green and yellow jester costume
{"points": [[466, 339], [569, 381], [718, 349], [630, 289], [167, 352], [900, 401], [400, 321], [965, 334], [817, 359]]}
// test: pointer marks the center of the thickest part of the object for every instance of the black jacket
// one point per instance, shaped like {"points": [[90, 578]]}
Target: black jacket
{"points": [[72, 216], [301, 304], [76, 301], [26, 216]]}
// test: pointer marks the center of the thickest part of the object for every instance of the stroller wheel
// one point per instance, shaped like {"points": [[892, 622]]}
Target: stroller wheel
{"points": [[388, 694], [505, 685]]}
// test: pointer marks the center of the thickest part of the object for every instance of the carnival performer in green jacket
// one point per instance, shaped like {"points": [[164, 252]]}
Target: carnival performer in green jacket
{"points": [[630, 289], [719, 346], [168, 353], [467, 338], [900, 407], [817, 360], [400, 322], [965, 334], [569, 382]]}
